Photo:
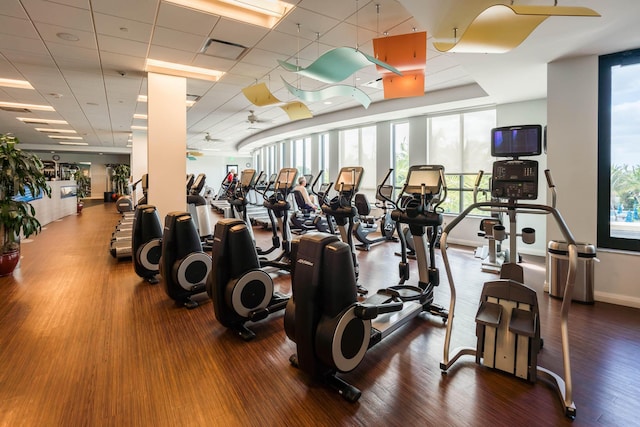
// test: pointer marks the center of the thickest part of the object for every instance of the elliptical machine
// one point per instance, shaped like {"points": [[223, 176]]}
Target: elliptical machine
{"points": [[366, 225], [507, 320], [331, 329], [340, 209], [184, 266], [146, 243], [240, 290], [278, 205]]}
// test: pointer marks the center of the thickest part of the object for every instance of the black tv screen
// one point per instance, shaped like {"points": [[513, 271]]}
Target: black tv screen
{"points": [[516, 141]]}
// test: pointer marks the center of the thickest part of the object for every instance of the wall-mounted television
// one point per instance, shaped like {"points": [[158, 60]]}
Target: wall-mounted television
{"points": [[516, 141]]}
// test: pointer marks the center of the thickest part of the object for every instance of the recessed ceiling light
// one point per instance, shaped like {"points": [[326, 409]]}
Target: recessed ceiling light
{"points": [[264, 13], [42, 121], [64, 137], [27, 106], [139, 127], [140, 116], [18, 84], [68, 37], [56, 130], [72, 143], [175, 69]]}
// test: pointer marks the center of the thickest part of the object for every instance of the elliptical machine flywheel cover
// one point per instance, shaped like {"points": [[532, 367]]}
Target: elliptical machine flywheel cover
{"points": [[149, 254], [250, 292], [342, 342], [193, 270]]}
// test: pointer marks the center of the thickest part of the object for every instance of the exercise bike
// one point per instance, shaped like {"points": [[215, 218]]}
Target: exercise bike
{"points": [[331, 329], [507, 320]]}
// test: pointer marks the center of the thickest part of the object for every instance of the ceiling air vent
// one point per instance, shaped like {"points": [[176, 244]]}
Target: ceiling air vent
{"points": [[223, 49], [15, 110]]}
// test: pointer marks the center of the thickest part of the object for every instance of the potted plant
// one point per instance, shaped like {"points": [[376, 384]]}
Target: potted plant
{"points": [[83, 184], [121, 175], [21, 178]]}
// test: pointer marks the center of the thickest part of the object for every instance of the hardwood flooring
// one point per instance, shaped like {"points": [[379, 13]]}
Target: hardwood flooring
{"points": [[85, 342]]}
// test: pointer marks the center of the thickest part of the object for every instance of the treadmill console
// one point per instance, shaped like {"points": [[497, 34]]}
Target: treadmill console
{"points": [[515, 179]]}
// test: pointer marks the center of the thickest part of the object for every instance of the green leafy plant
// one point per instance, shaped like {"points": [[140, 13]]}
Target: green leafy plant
{"points": [[22, 174], [83, 184], [121, 178]]}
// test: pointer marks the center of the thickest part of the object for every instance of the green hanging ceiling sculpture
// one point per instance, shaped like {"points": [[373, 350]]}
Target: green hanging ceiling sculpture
{"points": [[329, 92], [336, 65]]}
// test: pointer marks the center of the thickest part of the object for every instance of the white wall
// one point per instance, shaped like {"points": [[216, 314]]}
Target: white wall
{"points": [[572, 155], [215, 167]]}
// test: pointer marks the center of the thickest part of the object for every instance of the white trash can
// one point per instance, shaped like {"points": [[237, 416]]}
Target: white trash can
{"points": [[558, 269]]}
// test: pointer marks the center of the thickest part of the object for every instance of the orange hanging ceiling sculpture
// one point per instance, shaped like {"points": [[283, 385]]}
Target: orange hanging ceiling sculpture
{"points": [[501, 28], [408, 54]]}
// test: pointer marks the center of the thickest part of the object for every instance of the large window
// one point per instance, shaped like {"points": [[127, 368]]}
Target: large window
{"points": [[358, 148], [461, 143], [400, 153], [619, 151]]}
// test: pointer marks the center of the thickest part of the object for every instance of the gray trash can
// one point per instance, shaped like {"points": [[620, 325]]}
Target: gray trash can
{"points": [[583, 287]]}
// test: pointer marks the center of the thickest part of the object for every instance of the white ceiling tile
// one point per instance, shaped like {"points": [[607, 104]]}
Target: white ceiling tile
{"points": [[59, 14], [118, 45], [17, 26], [162, 53], [184, 19], [179, 40], [116, 26], [49, 35], [238, 32], [139, 10]]}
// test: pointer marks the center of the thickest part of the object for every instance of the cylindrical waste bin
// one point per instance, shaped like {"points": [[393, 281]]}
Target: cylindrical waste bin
{"points": [[583, 287]]}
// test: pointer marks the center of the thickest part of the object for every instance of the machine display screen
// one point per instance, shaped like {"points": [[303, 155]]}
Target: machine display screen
{"points": [[516, 141], [247, 176], [430, 178], [286, 178], [349, 179]]}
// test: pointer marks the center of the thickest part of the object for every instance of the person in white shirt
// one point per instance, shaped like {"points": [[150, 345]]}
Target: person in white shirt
{"points": [[301, 187]]}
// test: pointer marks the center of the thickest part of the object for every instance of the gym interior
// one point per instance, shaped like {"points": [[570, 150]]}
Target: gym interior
{"points": [[91, 338]]}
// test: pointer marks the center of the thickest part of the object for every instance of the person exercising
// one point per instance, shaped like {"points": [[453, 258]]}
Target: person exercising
{"points": [[302, 188]]}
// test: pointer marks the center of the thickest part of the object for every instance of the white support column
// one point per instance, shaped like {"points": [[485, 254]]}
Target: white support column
{"points": [[167, 135], [139, 155]]}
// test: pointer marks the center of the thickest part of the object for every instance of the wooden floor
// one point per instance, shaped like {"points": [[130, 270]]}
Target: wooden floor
{"points": [[85, 342]]}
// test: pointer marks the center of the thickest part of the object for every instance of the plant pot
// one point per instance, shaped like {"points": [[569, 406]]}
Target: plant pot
{"points": [[8, 262]]}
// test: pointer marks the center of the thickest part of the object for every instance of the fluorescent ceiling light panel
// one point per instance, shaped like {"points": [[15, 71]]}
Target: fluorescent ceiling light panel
{"points": [[264, 13], [42, 121], [175, 69], [72, 143], [140, 116], [143, 98], [27, 106], [139, 127], [64, 137], [18, 84], [56, 130]]}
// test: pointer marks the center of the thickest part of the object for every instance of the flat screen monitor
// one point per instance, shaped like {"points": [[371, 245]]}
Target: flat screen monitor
{"points": [[428, 176], [349, 179], [286, 178], [247, 176], [516, 141]]}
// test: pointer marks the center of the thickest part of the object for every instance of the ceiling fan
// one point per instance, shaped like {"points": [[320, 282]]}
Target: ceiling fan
{"points": [[253, 119], [209, 138]]}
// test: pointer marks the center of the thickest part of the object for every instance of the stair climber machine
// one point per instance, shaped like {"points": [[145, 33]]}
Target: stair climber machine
{"points": [[199, 209], [184, 266], [146, 243], [240, 290], [331, 329], [366, 224], [128, 202], [341, 210], [507, 320], [278, 205]]}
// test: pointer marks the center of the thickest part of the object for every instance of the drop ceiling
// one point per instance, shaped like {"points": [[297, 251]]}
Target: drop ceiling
{"points": [[86, 59]]}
